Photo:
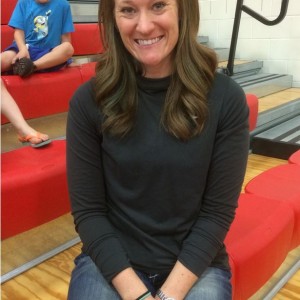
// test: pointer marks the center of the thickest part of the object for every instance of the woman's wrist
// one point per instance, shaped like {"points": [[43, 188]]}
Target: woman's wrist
{"points": [[129, 285], [144, 296]]}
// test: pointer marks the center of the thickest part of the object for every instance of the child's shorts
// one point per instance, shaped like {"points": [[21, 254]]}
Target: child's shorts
{"points": [[36, 53]]}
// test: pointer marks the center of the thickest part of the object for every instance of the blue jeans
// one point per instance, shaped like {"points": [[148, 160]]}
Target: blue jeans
{"points": [[88, 283]]}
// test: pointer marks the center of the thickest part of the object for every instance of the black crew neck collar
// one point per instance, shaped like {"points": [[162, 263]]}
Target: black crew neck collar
{"points": [[154, 84]]}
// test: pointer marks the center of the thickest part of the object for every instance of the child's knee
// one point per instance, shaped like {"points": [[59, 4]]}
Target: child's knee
{"points": [[6, 58]]}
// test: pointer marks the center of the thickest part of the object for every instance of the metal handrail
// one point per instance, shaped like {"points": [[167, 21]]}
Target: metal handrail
{"points": [[236, 26]]}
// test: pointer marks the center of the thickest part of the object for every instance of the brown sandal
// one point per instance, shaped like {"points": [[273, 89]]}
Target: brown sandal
{"points": [[23, 67]]}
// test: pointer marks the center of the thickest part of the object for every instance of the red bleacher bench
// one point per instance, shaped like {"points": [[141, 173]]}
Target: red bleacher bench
{"points": [[257, 242], [7, 33], [85, 40], [7, 7], [295, 158], [7, 36], [281, 183], [44, 94], [34, 187], [252, 102]]}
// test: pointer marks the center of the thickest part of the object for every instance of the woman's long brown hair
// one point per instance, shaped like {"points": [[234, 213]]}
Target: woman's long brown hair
{"points": [[185, 110]]}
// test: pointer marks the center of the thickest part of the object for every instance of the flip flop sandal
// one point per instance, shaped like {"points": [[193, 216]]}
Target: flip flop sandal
{"points": [[23, 67], [25, 140]]}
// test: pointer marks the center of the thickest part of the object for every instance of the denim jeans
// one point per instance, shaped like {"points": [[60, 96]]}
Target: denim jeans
{"points": [[87, 283]]}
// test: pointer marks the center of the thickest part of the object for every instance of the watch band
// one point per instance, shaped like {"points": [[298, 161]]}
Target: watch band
{"points": [[162, 296]]}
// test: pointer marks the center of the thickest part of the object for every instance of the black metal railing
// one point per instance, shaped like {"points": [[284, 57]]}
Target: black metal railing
{"points": [[240, 7]]}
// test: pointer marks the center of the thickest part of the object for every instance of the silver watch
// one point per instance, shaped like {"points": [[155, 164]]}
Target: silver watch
{"points": [[162, 296]]}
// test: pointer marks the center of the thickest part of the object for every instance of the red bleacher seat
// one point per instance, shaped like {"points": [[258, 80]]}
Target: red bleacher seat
{"points": [[295, 158], [252, 102], [87, 71], [257, 242], [7, 36], [7, 33], [280, 183], [34, 187], [86, 39], [44, 93], [7, 7]]}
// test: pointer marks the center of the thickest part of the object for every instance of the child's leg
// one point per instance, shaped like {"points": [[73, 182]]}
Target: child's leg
{"points": [[12, 112], [6, 60], [57, 56]]}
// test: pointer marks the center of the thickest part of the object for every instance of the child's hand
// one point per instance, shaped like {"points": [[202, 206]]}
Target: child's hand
{"points": [[22, 53]]}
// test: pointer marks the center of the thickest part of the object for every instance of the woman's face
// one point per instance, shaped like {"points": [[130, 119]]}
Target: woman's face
{"points": [[149, 30]]}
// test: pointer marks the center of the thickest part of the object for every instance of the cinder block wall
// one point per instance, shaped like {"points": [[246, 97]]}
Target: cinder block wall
{"points": [[277, 46]]}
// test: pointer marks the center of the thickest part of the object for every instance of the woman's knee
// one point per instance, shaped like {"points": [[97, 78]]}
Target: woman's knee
{"points": [[214, 284], [88, 283]]}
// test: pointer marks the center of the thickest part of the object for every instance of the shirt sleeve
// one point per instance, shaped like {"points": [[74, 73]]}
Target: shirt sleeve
{"points": [[87, 187], [225, 178], [17, 18], [68, 25]]}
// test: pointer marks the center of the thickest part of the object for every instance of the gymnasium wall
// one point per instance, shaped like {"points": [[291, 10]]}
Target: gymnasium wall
{"points": [[277, 46]]}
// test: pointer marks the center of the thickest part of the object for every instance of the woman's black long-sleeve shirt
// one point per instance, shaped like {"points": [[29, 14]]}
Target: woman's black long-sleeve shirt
{"points": [[149, 199]]}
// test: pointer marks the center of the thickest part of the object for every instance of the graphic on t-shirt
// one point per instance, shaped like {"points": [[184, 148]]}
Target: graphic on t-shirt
{"points": [[41, 25]]}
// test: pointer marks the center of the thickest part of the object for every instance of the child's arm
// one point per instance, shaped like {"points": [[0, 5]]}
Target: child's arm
{"points": [[66, 37], [19, 37]]}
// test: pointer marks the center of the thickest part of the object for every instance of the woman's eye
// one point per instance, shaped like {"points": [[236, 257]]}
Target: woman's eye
{"points": [[159, 5], [127, 10]]}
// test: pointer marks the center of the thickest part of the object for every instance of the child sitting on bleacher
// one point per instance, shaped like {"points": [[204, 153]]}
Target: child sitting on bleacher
{"points": [[42, 37], [42, 42]]}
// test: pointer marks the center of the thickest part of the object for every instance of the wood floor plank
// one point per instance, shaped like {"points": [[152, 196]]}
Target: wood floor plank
{"points": [[279, 98], [291, 291], [47, 281], [24, 247]]}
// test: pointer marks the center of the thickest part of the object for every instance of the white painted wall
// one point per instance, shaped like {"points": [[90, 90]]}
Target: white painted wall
{"points": [[277, 46]]}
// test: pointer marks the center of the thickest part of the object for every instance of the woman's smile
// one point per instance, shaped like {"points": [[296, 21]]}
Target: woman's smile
{"points": [[149, 42]]}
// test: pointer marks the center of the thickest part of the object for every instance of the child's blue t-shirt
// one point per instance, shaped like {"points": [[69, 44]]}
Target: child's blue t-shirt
{"points": [[43, 24]]}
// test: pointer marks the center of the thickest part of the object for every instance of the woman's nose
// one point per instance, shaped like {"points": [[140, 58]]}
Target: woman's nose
{"points": [[145, 23]]}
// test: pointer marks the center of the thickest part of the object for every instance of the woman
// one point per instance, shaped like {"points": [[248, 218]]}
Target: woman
{"points": [[156, 154]]}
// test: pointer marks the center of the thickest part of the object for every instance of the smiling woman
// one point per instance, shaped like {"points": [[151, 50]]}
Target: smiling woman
{"points": [[150, 33], [157, 145]]}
